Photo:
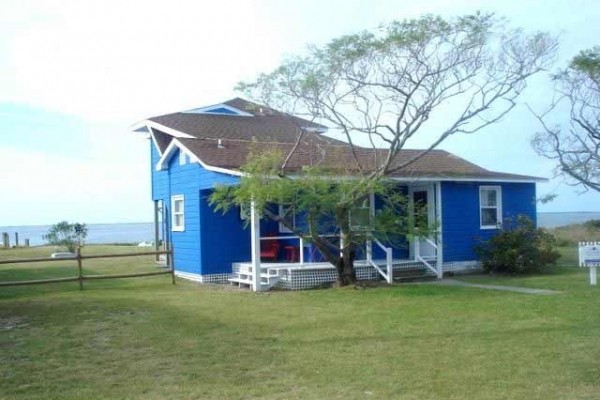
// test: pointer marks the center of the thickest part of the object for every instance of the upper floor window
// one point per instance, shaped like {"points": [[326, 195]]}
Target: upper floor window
{"points": [[177, 213], [183, 158], [490, 207]]}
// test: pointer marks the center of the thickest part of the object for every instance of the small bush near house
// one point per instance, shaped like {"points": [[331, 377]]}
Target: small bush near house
{"points": [[519, 249]]}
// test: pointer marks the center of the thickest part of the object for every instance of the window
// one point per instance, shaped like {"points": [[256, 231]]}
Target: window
{"points": [[287, 211], [177, 213], [360, 217], [183, 158], [490, 207]]}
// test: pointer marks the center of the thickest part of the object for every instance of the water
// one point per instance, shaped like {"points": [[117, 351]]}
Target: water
{"points": [[97, 233], [144, 231]]}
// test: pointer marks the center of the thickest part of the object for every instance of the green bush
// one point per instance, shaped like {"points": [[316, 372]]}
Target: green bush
{"points": [[519, 248], [67, 235], [592, 224]]}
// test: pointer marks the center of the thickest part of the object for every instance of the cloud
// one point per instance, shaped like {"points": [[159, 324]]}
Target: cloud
{"points": [[42, 188], [117, 60]]}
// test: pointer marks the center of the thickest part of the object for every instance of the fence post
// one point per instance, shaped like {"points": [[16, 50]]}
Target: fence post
{"points": [[16, 239], [5, 240], [171, 256], [79, 268]]}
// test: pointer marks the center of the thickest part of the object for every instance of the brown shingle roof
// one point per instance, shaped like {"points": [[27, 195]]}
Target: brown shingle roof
{"points": [[271, 129], [266, 126], [435, 163]]}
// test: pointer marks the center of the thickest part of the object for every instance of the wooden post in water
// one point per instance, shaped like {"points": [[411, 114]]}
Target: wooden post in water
{"points": [[26, 242], [16, 239], [79, 268], [5, 240]]}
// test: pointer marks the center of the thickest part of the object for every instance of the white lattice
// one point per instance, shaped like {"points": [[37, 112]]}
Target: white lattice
{"points": [[456, 266], [209, 278], [307, 277]]}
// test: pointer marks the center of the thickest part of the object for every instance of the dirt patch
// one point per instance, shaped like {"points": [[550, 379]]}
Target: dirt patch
{"points": [[9, 323]]}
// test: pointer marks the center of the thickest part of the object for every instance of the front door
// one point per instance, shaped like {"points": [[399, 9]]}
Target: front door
{"points": [[422, 209]]}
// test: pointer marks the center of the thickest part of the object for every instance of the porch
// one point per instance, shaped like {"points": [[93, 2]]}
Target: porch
{"points": [[299, 276], [302, 270]]}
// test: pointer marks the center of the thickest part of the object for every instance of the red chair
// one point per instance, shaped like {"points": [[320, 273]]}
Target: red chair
{"points": [[269, 250]]}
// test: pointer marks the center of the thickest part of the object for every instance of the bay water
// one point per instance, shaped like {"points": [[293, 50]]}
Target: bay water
{"points": [[137, 232]]}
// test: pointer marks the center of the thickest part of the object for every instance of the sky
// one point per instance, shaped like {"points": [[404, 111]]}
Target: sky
{"points": [[75, 75]]}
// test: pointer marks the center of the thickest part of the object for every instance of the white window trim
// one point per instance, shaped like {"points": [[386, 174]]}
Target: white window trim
{"points": [[177, 228], [498, 207], [283, 228]]}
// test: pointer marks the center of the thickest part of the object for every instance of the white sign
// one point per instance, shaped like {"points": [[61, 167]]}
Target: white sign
{"points": [[589, 256]]}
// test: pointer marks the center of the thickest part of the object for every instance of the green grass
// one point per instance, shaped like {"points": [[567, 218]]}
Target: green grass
{"points": [[147, 339]]}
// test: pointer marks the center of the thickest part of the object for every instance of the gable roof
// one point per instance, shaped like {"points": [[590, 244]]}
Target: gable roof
{"points": [[222, 142], [264, 124]]}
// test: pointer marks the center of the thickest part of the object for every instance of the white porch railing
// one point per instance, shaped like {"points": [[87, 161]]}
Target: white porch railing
{"points": [[423, 260], [389, 274]]}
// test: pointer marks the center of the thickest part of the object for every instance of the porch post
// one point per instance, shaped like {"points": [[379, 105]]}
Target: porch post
{"points": [[371, 217], [255, 243], [156, 231], [440, 242]]}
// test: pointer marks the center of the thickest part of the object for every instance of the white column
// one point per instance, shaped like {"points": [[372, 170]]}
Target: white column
{"points": [[371, 218], [255, 241], [440, 241]]}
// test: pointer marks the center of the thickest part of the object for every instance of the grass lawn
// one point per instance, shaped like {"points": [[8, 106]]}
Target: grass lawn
{"points": [[147, 339]]}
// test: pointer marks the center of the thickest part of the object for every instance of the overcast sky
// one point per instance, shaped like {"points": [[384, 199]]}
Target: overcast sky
{"points": [[74, 75]]}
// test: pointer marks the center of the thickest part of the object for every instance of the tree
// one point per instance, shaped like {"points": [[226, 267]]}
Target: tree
{"points": [[381, 89], [66, 234], [575, 149]]}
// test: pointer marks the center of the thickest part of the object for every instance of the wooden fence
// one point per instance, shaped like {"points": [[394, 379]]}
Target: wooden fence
{"points": [[78, 257]]}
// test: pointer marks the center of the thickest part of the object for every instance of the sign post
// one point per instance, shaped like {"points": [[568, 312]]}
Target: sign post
{"points": [[589, 256]]}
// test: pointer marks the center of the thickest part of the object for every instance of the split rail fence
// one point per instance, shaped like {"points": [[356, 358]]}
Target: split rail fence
{"points": [[80, 277]]}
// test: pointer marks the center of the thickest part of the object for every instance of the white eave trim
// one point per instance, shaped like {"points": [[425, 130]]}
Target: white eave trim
{"points": [[208, 110], [151, 124], [471, 179], [175, 145]]}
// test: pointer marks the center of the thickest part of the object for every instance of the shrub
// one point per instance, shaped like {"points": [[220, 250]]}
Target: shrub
{"points": [[592, 224], [66, 235], [519, 248]]}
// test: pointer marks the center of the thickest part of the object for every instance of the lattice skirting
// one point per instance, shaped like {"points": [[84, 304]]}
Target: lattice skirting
{"points": [[458, 266], [301, 279], [211, 278]]}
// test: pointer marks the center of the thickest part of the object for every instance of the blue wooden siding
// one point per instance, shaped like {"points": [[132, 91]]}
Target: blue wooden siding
{"points": [[186, 244], [224, 238], [460, 214], [187, 180]]}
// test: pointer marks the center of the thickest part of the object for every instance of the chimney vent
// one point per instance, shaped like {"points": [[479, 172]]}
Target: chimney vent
{"points": [[220, 144]]}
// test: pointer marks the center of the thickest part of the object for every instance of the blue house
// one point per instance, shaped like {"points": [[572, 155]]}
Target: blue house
{"points": [[195, 150]]}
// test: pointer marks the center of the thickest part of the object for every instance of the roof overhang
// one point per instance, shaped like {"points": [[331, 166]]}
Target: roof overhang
{"points": [[467, 179], [176, 145]]}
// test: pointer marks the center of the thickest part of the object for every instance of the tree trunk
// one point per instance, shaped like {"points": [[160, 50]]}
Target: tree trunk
{"points": [[345, 266]]}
